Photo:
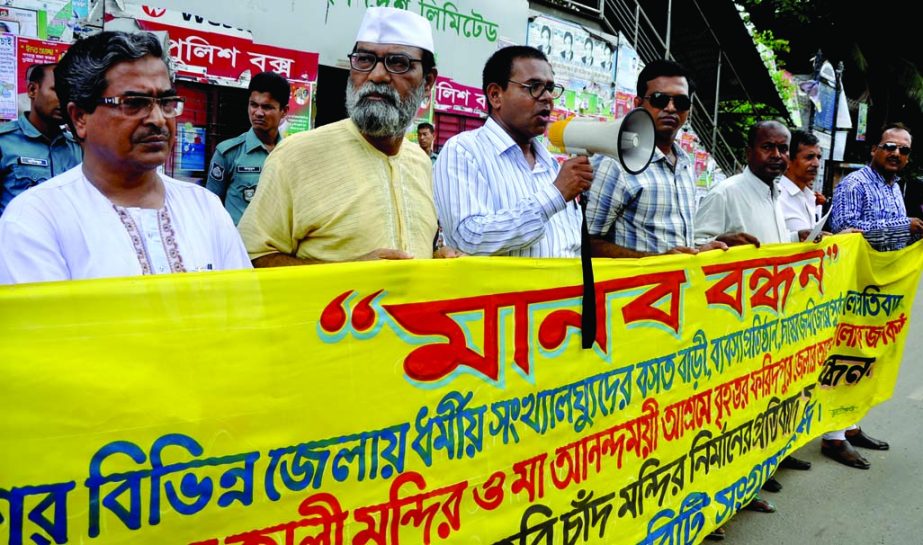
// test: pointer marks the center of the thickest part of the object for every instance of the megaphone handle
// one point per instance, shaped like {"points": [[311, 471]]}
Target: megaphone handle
{"points": [[588, 313]]}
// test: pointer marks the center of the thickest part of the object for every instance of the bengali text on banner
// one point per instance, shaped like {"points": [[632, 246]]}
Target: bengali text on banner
{"points": [[430, 402]]}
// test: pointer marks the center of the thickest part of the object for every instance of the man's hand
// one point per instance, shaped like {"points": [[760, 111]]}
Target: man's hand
{"points": [[681, 250], [385, 253], [738, 239], [713, 245], [916, 226], [575, 177], [803, 235], [447, 253]]}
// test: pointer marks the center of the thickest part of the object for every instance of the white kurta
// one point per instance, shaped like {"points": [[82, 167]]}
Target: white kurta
{"points": [[65, 229], [798, 205], [742, 203]]}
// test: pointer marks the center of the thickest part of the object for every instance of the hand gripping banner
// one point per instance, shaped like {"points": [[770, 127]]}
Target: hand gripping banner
{"points": [[435, 402]]}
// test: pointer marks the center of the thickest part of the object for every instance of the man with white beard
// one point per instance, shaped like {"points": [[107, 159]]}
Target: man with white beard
{"points": [[355, 190]]}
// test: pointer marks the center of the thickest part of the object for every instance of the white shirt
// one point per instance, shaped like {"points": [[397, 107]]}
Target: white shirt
{"points": [[742, 203], [65, 229], [799, 206], [490, 202]]}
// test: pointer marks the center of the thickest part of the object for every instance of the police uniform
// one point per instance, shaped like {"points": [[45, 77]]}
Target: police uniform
{"points": [[27, 158], [235, 171]]}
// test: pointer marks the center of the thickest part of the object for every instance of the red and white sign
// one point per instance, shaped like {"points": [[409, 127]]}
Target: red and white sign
{"points": [[35, 51], [224, 59], [455, 98], [184, 20]]}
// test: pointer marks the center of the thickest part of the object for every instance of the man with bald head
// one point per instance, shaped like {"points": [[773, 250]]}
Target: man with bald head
{"points": [[749, 201], [355, 189]]}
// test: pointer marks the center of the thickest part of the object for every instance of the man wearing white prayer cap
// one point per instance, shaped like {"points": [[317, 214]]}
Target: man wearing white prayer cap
{"points": [[355, 189]]}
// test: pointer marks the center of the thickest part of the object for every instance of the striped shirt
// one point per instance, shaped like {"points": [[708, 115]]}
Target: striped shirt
{"points": [[490, 202], [648, 212], [864, 200]]}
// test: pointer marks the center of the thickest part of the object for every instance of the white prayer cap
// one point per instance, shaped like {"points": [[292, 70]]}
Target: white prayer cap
{"points": [[396, 26]]}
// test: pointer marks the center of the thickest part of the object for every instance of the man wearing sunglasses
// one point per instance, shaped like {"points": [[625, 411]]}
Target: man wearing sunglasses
{"points": [[637, 215], [870, 198], [498, 191], [355, 189], [116, 215]]}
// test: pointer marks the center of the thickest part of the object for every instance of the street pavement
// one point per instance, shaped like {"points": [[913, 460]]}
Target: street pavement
{"points": [[835, 504]]}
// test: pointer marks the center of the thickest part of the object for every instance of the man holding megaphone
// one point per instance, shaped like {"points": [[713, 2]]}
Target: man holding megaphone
{"points": [[497, 191], [651, 212]]}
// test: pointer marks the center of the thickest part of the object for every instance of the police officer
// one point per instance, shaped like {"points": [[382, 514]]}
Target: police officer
{"points": [[33, 148], [236, 166]]}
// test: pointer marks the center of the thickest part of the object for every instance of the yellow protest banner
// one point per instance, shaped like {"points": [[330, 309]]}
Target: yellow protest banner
{"points": [[435, 402]]}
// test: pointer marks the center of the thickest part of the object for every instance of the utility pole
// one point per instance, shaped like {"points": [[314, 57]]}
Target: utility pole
{"points": [[836, 106], [818, 62]]}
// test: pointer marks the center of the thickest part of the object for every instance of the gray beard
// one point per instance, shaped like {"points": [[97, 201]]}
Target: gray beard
{"points": [[389, 117]]}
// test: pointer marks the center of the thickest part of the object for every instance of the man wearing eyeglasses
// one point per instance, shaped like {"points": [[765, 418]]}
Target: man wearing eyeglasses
{"points": [[498, 191], [870, 199], [116, 216], [355, 189], [236, 166], [651, 213]]}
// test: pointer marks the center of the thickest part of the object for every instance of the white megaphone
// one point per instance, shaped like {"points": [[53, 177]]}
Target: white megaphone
{"points": [[629, 139]]}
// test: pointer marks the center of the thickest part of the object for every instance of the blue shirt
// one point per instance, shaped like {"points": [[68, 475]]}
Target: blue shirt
{"points": [[491, 202], [28, 158], [865, 200], [235, 171], [652, 211]]}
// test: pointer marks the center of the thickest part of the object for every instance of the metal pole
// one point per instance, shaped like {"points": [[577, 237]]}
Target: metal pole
{"points": [[818, 62], [637, 22], [836, 106], [666, 54], [714, 127]]}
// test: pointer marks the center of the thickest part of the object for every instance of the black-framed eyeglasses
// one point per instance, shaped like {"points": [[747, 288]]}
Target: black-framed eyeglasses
{"points": [[537, 88], [396, 63], [682, 103], [891, 147], [142, 106]]}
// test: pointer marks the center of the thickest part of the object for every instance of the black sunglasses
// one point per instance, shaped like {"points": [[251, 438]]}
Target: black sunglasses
{"points": [[682, 103], [891, 147]]}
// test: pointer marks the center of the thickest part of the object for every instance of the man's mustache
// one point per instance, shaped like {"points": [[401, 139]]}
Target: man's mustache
{"points": [[382, 89]]}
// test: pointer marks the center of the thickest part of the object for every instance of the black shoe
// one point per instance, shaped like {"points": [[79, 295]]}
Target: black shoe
{"points": [[790, 462], [772, 485], [861, 439], [843, 452], [760, 506]]}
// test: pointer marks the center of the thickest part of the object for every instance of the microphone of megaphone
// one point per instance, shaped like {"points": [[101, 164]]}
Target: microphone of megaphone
{"points": [[629, 139]]}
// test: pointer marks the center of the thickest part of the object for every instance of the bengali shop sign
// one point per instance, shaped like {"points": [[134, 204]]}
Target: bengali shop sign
{"points": [[455, 98], [435, 402], [220, 57], [212, 52]]}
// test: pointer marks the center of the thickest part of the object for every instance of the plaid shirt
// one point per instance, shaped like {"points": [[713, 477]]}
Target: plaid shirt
{"points": [[864, 200], [648, 212]]}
